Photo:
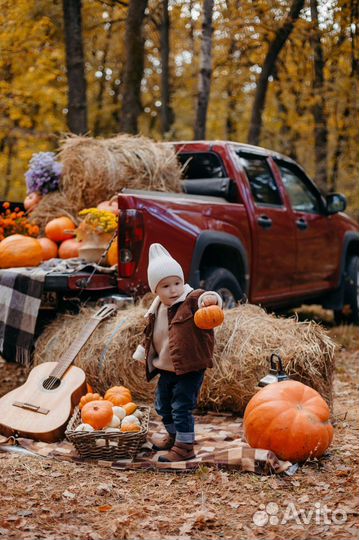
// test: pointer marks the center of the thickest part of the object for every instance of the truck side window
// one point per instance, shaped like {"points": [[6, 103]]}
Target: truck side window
{"points": [[301, 196], [201, 165], [263, 186]]}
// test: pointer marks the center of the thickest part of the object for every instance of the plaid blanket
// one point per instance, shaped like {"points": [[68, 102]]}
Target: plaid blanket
{"points": [[20, 299], [219, 443]]}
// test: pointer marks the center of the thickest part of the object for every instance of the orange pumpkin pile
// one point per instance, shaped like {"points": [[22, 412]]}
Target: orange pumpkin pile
{"points": [[58, 241], [289, 418], [114, 412]]}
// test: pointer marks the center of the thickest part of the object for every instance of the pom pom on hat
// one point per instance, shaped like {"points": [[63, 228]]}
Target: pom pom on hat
{"points": [[161, 265]]}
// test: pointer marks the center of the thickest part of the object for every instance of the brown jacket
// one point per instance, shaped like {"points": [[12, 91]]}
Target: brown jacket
{"points": [[191, 349]]}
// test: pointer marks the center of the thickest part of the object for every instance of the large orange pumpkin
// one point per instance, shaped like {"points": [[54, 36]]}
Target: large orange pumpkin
{"points": [[112, 255], [69, 249], [208, 317], [289, 418], [18, 250], [49, 248], [56, 229], [97, 413]]}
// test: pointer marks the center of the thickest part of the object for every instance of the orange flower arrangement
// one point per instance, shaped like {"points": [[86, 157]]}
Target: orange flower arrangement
{"points": [[15, 222]]}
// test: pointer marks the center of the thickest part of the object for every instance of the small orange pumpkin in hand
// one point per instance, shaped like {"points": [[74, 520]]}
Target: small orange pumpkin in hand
{"points": [[89, 397], [97, 413], [209, 317]]}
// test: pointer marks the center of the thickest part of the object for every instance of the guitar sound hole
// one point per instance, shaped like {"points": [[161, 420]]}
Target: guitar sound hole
{"points": [[51, 383]]}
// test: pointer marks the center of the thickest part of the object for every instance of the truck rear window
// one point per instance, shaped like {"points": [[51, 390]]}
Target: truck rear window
{"points": [[201, 165]]}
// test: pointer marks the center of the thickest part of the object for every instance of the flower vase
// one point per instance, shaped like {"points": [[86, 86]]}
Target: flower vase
{"points": [[93, 246]]}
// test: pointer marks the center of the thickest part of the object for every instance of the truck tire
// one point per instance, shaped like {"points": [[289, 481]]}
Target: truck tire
{"points": [[351, 294], [224, 283]]}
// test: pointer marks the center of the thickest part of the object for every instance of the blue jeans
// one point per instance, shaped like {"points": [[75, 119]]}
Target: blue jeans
{"points": [[176, 397]]}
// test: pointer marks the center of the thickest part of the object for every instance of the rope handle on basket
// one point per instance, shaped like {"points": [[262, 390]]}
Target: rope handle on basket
{"points": [[108, 343]]}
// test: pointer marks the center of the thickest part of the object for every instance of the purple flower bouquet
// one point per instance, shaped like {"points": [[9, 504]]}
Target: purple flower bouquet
{"points": [[44, 173]]}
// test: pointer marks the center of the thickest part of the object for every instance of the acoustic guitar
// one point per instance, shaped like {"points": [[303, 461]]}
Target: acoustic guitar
{"points": [[42, 406]]}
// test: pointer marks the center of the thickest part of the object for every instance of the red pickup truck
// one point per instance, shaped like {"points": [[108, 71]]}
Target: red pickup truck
{"points": [[249, 223]]}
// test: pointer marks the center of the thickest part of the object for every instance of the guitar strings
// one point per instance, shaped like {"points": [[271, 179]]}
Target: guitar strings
{"points": [[51, 385]]}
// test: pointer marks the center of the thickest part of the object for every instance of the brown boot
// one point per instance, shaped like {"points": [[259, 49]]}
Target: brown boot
{"points": [[179, 452], [162, 441]]}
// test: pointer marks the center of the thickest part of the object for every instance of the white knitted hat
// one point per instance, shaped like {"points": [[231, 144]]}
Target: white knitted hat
{"points": [[161, 265]]}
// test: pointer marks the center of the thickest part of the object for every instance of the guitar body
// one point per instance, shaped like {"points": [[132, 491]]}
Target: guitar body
{"points": [[38, 412]]}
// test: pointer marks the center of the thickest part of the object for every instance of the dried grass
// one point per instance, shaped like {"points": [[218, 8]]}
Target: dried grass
{"points": [[51, 206], [96, 169], [243, 346]]}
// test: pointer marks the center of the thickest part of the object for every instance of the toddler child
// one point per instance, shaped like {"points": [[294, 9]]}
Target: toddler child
{"points": [[177, 350]]}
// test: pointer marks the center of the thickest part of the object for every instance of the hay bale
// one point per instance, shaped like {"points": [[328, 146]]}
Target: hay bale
{"points": [[243, 346], [53, 205], [96, 169]]}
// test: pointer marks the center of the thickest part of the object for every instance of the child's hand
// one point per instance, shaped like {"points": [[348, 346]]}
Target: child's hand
{"points": [[209, 300]]}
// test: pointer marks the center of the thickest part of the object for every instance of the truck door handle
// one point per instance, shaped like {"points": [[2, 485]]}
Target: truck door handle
{"points": [[302, 223], [264, 221]]}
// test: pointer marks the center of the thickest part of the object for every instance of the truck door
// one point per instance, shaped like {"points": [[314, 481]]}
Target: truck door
{"points": [[317, 244], [273, 233]]}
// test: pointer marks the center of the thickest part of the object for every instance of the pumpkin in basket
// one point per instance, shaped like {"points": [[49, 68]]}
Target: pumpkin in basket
{"points": [[118, 395], [289, 418], [97, 413], [208, 317], [89, 397], [132, 428], [130, 407]]}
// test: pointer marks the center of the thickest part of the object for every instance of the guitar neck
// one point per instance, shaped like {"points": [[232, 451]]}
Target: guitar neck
{"points": [[69, 356]]}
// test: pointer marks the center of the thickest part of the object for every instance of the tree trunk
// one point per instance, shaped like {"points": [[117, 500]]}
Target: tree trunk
{"points": [[275, 47], [204, 86], [75, 64], [134, 44], [167, 116], [320, 120], [102, 81]]}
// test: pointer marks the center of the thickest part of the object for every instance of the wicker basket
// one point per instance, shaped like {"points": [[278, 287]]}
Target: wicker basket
{"points": [[104, 444]]}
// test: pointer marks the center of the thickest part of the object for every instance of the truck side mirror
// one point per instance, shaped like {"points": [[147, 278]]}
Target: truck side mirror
{"points": [[336, 202]]}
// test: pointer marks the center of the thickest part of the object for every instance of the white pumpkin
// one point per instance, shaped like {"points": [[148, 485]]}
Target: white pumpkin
{"points": [[113, 430], [138, 414], [119, 412], [115, 422], [130, 419], [84, 427]]}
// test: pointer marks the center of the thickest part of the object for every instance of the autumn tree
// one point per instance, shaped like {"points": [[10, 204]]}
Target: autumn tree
{"points": [[134, 48], [320, 119], [204, 85], [75, 63], [274, 49]]}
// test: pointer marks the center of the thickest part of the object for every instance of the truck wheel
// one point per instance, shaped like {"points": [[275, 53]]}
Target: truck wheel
{"points": [[224, 283], [351, 294]]}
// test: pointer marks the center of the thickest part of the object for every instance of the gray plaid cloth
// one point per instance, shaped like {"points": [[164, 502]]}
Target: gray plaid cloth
{"points": [[20, 299]]}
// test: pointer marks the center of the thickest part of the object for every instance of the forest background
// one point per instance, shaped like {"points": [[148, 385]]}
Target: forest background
{"points": [[279, 73]]}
